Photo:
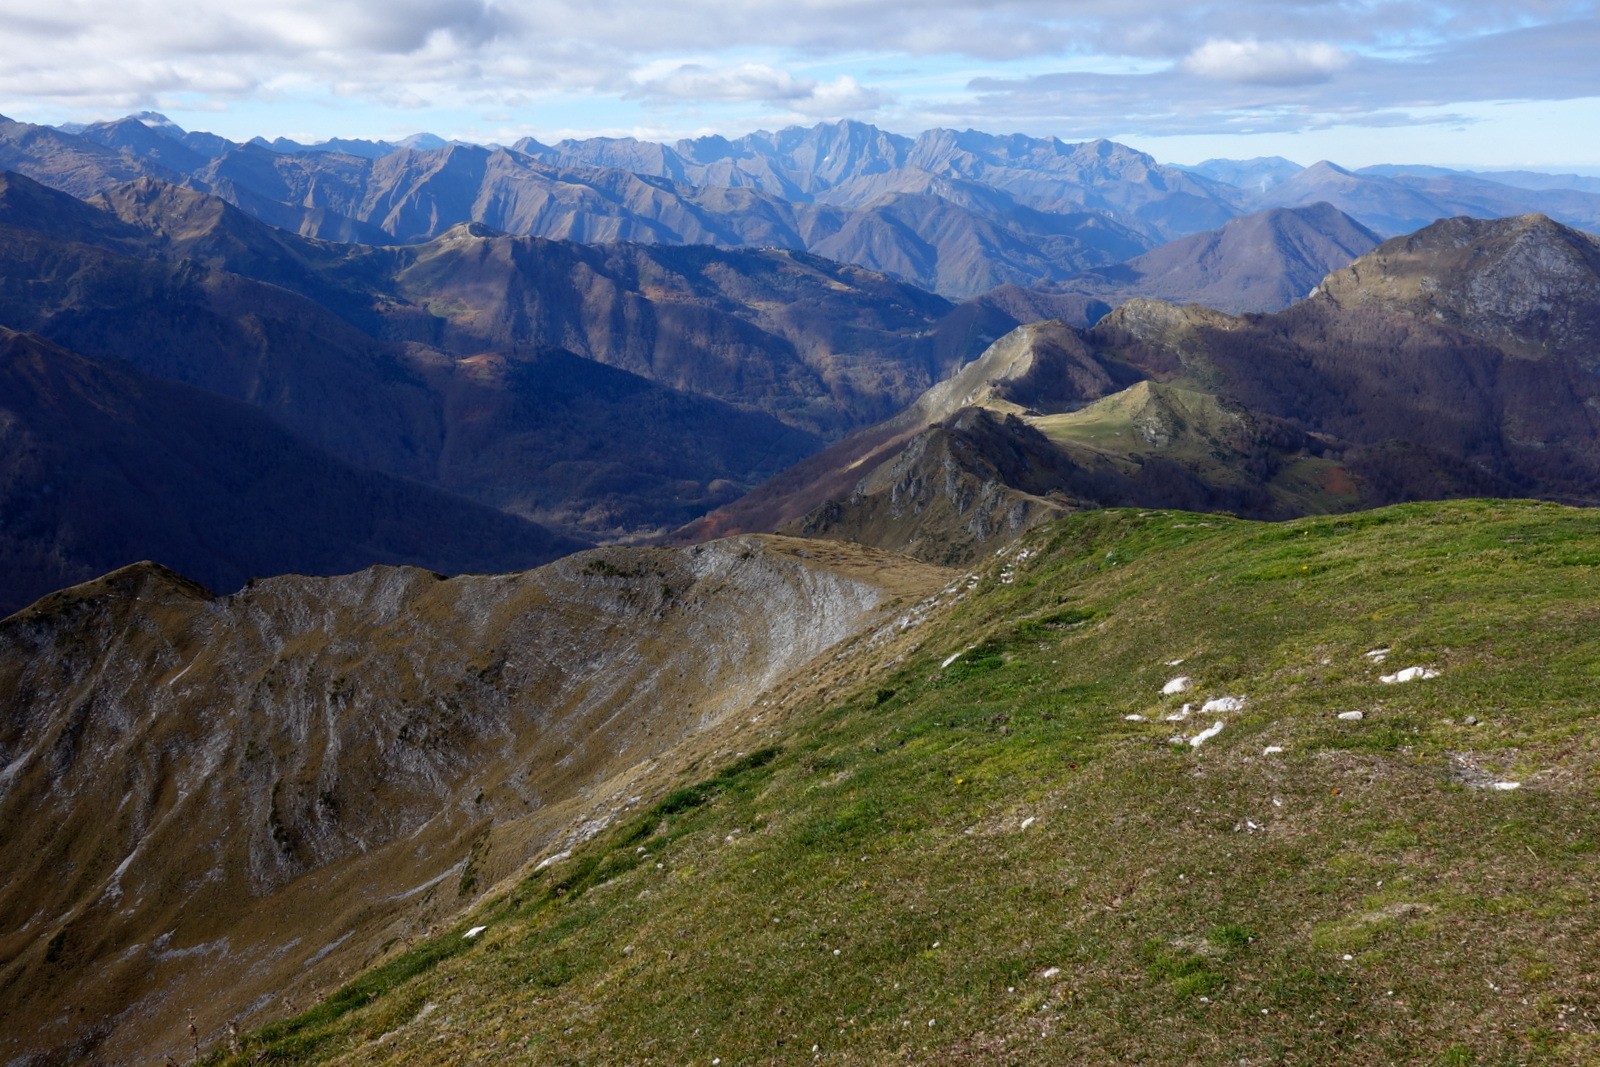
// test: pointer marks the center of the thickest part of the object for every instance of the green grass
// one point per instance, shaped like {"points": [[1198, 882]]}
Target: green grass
{"points": [[870, 873]]}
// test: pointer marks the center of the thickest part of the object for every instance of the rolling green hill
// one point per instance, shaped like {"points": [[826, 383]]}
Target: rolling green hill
{"points": [[979, 834]]}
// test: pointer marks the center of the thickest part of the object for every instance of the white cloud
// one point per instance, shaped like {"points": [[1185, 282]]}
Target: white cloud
{"points": [[696, 83], [742, 83], [1253, 62], [840, 98]]}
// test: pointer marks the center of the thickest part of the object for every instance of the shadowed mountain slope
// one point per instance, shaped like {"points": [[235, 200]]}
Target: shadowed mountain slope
{"points": [[1260, 262], [442, 362], [101, 466], [821, 344], [544, 435], [223, 805], [72, 164]]}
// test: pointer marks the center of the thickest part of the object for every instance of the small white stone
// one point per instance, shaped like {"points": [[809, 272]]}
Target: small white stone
{"points": [[1218, 705], [474, 932], [1506, 786], [1348, 957], [1134, 718], [1352, 716], [1410, 674], [1028, 821], [1205, 735], [1050, 972], [1272, 750], [1181, 684]]}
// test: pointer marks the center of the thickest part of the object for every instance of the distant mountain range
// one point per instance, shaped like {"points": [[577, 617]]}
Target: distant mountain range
{"points": [[1393, 199], [958, 213]]}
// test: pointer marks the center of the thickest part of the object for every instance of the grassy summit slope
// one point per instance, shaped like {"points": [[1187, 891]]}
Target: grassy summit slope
{"points": [[985, 859]]}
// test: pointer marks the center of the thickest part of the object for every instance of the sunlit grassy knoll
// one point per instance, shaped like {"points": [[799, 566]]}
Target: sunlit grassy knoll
{"points": [[989, 862]]}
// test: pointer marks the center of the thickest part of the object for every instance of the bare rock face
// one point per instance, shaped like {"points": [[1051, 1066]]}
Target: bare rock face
{"points": [[1528, 285], [223, 804], [951, 491]]}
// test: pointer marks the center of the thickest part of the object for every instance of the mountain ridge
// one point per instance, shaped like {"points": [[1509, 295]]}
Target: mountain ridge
{"points": [[299, 791], [1457, 361]]}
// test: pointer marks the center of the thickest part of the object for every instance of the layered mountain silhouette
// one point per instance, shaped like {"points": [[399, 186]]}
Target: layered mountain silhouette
{"points": [[1394, 200], [102, 466], [607, 391], [1457, 361], [1260, 262], [956, 212]]}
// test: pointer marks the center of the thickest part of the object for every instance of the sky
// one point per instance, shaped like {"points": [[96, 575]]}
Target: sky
{"points": [[1491, 84]]}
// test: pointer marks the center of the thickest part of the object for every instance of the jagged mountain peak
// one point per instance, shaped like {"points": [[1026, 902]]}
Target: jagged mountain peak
{"points": [[146, 583], [1160, 323], [157, 121], [1526, 283], [1324, 167], [468, 231], [1040, 366]]}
